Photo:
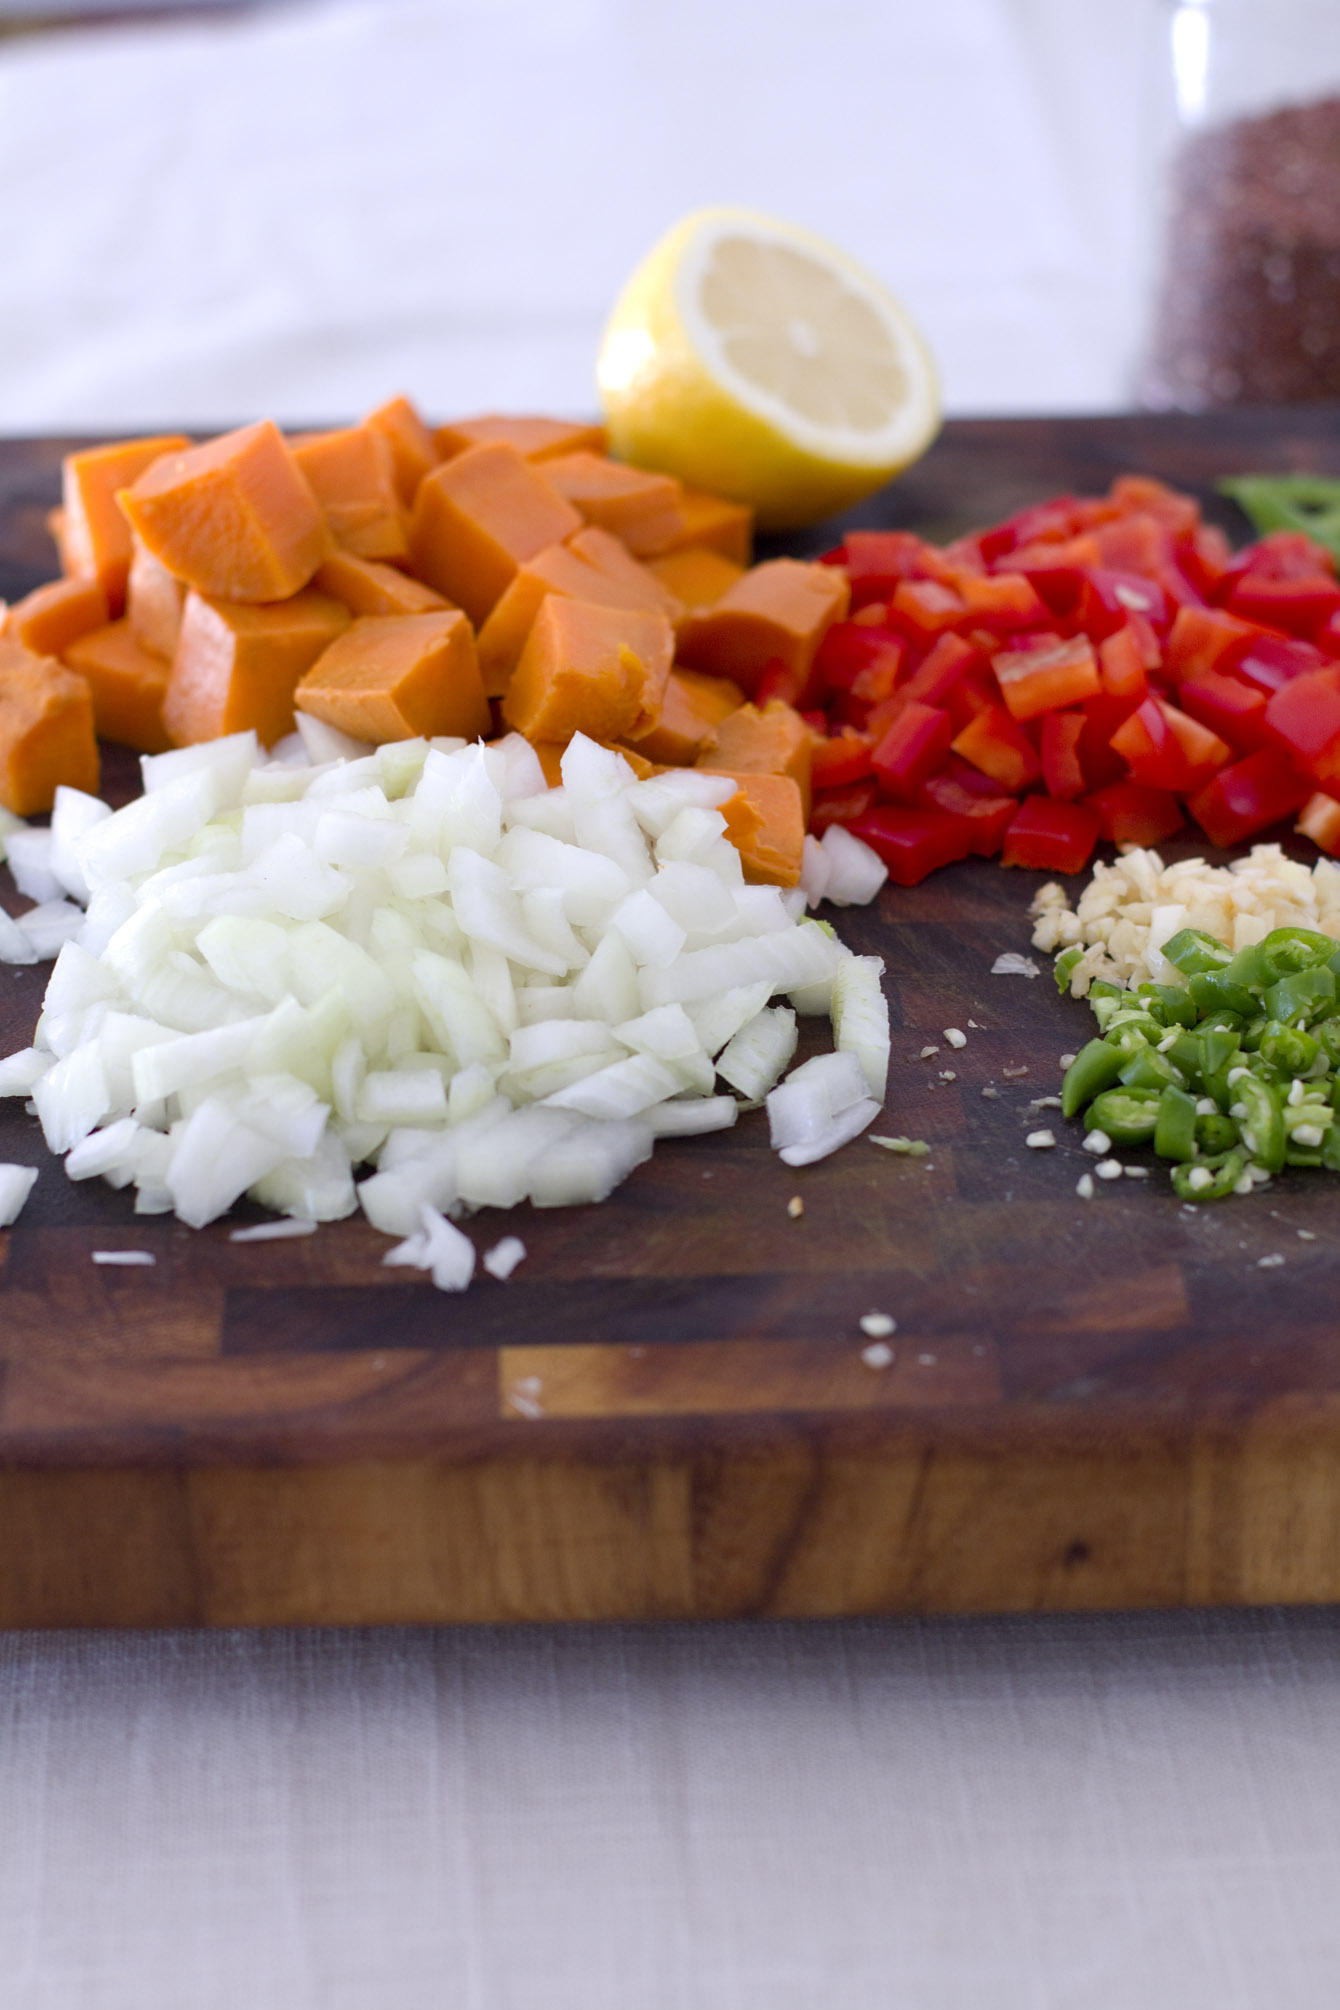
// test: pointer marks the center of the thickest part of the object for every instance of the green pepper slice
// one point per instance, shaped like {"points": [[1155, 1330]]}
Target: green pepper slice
{"points": [[1096, 1067], [1214, 989], [1128, 1116], [1327, 1033], [1172, 1003], [1175, 1129], [1215, 1134], [1286, 950], [1225, 1175], [1151, 1070], [1262, 1125], [1304, 996], [1192, 951], [1287, 1050], [1065, 963], [1217, 1049]]}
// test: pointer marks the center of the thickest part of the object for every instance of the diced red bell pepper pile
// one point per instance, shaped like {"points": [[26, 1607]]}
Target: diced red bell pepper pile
{"points": [[1089, 668]]}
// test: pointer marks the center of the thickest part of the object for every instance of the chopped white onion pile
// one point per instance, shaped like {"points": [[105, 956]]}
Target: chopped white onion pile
{"points": [[421, 958]]}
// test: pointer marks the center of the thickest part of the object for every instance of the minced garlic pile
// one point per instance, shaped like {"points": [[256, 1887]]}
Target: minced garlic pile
{"points": [[1130, 909]]}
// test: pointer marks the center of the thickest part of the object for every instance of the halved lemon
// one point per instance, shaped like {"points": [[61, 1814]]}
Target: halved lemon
{"points": [[748, 356]]}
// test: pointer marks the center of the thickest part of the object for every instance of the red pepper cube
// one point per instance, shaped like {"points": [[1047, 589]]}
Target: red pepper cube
{"points": [[850, 648], [779, 680], [1002, 601], [1204, 558], [1249, 797], [842, 806], [1150, 748], [1129, 813], [1181, 513], [985, 818], [913, 842], [1138, 542], [1062, 771], [1304, 719], [877, 560], [1298, 606], [941, 669], [1058, 672], [1319, 819], [1327, 637], [1107, 598], [1122, 665], [1050, 836], [1234, 710], [842, 758], [1272, 661], [912, 748], [1102, 716], [993, 743], [1053, 520], [1203, 752], [924, 608], [971, 695], [1280, 554], [1204, 638]]}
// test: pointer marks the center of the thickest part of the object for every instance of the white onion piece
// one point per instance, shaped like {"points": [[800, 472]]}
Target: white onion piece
{"points": [[20, 1073], [815, 870], [9, 823], [31, 865], [321, 743], [839, 1131], [73, 814], [855, 872], [754, 1059], [861, 1018], [16, 1183], [693, 1116], [14, 944], [503, 1258]]}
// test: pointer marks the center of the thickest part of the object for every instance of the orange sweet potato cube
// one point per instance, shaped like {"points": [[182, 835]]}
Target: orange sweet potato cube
{"points": [[46, 731], [774, 741], [716, 524], [94, 537], [154, 601], [236, 518], [765, 821], [477, 518], [697, 576], [413, 454], [589, 669], [352, 474], [398, 676], [591, 566], [641, 508], [365, 586], [47, 620], [128, 684], [692, 708], [779, 612], [238, 665], [537, 439]]}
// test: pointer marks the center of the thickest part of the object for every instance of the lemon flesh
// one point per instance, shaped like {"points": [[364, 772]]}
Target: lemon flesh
{"points": [[748, 356]]}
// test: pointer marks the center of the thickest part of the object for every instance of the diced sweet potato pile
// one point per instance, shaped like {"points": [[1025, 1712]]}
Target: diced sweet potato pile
{"points": [[391, 580]]}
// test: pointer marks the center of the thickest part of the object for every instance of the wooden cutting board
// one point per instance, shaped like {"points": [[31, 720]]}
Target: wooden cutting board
{"points": [[666, 1411]]}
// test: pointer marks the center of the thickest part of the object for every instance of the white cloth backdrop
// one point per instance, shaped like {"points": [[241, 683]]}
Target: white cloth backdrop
{"points": [[298, 213], [1047, 1814]]}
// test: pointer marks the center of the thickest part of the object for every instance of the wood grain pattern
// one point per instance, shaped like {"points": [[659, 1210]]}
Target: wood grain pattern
{"points": [[666, 1411]]}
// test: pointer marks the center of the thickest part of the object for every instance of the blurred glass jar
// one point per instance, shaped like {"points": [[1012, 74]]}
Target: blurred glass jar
{"points": [[1246, 295]]}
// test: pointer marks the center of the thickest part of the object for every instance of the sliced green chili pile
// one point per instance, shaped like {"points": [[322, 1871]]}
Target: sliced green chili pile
{"points": [[1230, 1074]]}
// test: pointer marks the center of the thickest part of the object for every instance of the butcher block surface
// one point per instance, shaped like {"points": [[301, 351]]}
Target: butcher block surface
{"points": [[666, 1412]]}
